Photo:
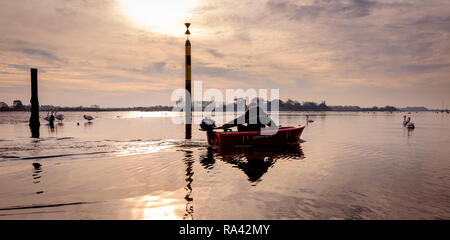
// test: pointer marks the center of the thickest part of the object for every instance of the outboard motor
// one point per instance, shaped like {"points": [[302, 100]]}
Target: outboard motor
{"points": [[208, 125]]}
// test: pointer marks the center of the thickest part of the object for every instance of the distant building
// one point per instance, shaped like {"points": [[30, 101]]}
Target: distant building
{"points": [[3, 106], [17, 105]]}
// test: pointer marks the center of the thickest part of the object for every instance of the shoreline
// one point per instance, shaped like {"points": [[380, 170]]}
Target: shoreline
{"points": [[143, 110]]}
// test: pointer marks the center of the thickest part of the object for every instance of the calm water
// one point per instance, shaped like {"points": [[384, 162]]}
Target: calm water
{"points": [[137, 165]]}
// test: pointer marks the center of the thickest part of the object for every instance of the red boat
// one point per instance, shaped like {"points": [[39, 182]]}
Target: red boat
{"points": [[282, 136]]}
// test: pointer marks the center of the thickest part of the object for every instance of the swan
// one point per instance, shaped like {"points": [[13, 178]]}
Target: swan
{"points": [[88, 117], [59, 117], [410, 125], [405, 122], [47, 118]]}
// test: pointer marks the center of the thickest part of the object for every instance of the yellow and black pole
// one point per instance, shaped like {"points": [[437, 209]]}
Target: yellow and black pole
{"points": [[188, 101]]}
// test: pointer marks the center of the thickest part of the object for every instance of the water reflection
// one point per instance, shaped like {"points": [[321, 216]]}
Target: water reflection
{"points": [[53, 130], [189, 162], [37, 169], [207, 160], [158, 206], [408, 131], [253, 161]]}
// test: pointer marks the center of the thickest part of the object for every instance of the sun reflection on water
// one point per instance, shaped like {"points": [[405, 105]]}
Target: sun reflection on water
{"points": [[143, 114], [138, 147], [158, 207]]}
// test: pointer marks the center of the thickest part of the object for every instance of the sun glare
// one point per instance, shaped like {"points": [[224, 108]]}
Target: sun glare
{"points": [[163, 16]]}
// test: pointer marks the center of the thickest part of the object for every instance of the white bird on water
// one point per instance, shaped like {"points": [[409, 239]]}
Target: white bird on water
{"points": [[88, 117], [405, 122], [410, 125], [59, 116], [47, 118]]}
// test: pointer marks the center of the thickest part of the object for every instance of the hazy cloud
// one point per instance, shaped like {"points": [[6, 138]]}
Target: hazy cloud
{"points": [[39, 53], [365, 52], [215, 53], [298, 10]]}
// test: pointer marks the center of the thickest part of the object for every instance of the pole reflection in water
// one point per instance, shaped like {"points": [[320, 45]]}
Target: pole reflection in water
{"points": [[37, 169], [51, 130], [189, 162], [253, 161]]}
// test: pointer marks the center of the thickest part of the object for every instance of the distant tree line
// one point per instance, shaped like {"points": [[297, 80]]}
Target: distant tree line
{"points": [[18, 106], [292, 105], [359, 109], [289, 105]]}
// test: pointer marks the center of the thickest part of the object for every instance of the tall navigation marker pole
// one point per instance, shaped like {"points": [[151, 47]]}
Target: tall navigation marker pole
{"points": [[188, 101]]}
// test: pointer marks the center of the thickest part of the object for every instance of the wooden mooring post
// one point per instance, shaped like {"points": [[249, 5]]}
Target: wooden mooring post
{"points": [[34, 118]]}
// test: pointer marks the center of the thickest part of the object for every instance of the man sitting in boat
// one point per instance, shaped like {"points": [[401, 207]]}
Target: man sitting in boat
{"points": [[255, 118]]}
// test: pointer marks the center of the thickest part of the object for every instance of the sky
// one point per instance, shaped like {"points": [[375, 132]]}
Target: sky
{"points": [[118, 53]]}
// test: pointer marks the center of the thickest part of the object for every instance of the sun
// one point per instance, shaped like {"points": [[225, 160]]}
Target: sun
{"points": [[161, 16]]}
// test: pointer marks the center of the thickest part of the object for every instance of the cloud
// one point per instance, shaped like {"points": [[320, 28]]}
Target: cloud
{"points": [[40, 53], [17, 66], [312, 50], [295, 10], [215, 53], [421, 68], [157, 67]]}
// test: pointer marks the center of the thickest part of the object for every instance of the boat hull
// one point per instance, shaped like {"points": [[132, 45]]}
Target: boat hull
{"points": [[282, 136]]}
